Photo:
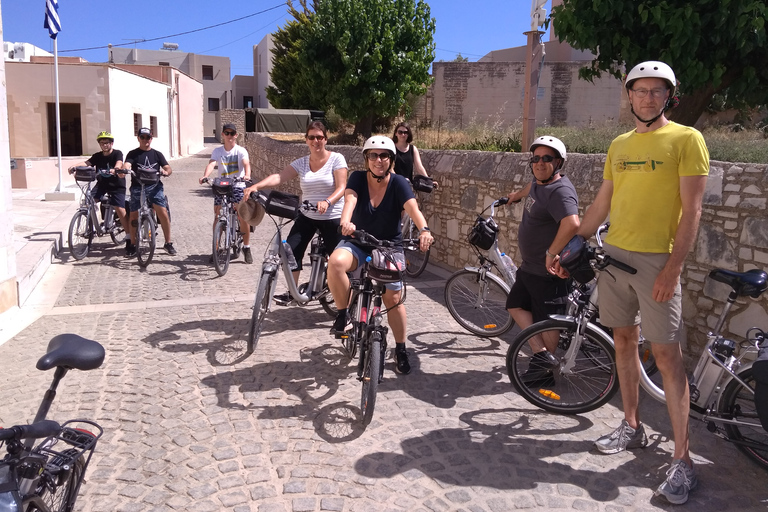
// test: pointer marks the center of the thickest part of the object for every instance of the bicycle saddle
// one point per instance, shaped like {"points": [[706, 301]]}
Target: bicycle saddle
{"points": [[72, 351], [750, 283]]}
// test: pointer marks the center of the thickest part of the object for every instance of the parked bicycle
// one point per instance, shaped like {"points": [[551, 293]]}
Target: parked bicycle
{"points": [[146, 230], [85, 223], [722, 386], [227, 238], [475, 296], [415, 260], [47, 477], [367, 286], [282, 209]]}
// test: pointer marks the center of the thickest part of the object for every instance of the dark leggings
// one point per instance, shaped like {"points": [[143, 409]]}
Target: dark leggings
{"points": [[305, 228]]}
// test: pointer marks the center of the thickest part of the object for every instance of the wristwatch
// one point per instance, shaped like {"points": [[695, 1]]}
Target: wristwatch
{"points": [[550, 254], [425, 228]]}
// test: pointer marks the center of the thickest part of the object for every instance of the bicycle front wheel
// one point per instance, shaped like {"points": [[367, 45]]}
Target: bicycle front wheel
{"points": [[738, 403], [478, 305], [371, 376], [80, 234], [261, 305], [588, 384], [115, 227], [146, 240], [415, 260], [220, 248]]}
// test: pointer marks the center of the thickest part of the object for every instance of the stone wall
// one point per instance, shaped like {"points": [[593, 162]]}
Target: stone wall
{"points": [[733, 233]]}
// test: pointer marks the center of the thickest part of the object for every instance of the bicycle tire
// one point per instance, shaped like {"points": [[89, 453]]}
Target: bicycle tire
{"points": [[146, 240], [415, 260], [370, 379], [591, 383], [80, 234], [220, 248], [738, 403], [490, 317], [62, 497], [354, 335], [117, 234], [261, 305]]}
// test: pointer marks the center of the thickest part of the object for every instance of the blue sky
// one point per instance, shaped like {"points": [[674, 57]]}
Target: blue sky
{"points": [[470, 27]]}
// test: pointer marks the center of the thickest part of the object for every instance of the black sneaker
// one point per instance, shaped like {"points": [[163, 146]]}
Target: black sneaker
{"points": [[130, 250], [283, 299], [247, 255], [169, 248], [210, 259], [339, 325], [539, 371], [401, 359]]}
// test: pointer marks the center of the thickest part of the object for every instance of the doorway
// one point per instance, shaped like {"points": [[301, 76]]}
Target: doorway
{"points": [[71, 129]]}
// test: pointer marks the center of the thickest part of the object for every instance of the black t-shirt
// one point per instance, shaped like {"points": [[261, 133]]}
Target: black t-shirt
{"points": [[383, 222], [101, 161], [150, 160], [404, 162]]}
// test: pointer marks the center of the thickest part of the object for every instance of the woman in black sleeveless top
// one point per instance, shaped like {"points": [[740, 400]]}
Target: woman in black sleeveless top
{"points": [[407, 159]]}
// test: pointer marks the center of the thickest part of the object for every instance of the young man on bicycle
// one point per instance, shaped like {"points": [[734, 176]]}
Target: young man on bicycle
{"points": [[550, 219], [109, 159], [373, 202], [147, 159], [233, 162], [653, 183]]}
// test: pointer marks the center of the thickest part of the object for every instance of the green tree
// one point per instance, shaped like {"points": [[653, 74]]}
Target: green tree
{"points": [[366, 56], [290, 88], [713, 46]]}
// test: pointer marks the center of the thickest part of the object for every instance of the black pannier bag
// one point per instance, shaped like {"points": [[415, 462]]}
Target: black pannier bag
{"points": [[423, 183], [222, 186], [575, 258], [483, 233], [283, 205]]}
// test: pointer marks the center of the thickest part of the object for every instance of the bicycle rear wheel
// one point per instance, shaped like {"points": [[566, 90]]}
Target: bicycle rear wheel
{"points": [[370, 377], [261, 305], [146, 240], [589, 384], [739, 404], [80, 234], [478, 305], [220, 248], [415, 260], [62, 497]]}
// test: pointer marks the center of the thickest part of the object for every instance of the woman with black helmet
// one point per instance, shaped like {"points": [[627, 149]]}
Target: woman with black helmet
{"points": [[373, 201]]}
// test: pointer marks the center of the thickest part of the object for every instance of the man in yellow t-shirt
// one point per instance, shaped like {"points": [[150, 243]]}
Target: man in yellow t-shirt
{"points": [[653, 184]]}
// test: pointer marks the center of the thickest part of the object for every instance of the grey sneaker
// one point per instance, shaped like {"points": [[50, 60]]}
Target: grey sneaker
{"points": [[623, 438], [681, 479], [247, 254]]}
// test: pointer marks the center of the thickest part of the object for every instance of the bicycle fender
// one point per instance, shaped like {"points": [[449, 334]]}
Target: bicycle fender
{"points": [[594, 329], [491, 276]]}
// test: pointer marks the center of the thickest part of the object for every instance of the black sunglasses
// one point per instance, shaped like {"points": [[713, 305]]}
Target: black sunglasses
{"points": [[315, 137], [402, 132], [377, 156], [229, 133], [145, 137], [546, 159]]}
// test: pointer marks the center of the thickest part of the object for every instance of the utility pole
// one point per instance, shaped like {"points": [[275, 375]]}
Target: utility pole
{"points": [[534, 57]]}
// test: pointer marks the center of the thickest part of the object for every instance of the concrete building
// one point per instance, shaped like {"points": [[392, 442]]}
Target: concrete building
{"points": [[22, 52], [213, 72], [8, 292], [251, 91]]}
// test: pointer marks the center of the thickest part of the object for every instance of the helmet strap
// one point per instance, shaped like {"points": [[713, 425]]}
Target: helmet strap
{"points": [[377, 177]]}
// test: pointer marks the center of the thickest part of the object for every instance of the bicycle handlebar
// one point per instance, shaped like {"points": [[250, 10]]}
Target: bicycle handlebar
{"points": [[39, 430], [365, 238]]}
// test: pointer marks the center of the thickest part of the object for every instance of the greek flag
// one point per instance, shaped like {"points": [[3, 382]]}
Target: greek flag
{"points": [[52, 22]]}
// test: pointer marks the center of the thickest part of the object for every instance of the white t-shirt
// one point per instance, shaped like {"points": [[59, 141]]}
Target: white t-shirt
{"points": [[231, 163], [317, 186]]}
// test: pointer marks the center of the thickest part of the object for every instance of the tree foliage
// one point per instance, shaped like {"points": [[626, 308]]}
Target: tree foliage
{"points": [[714, 46], [364, 57]]}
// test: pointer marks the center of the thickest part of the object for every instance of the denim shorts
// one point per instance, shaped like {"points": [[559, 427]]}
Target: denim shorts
{"points": [[154, 194], [360, 255], [234, 197]]}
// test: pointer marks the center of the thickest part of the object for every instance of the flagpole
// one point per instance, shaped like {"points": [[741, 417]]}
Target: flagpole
{"points": [[58, 113]]}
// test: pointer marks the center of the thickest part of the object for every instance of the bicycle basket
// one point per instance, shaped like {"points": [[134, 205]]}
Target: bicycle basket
{"points": [[85, 174], [283, 205], [575, 258], [222, 186], [423, 183], [148, 177], [483, 233], [386, 265]]}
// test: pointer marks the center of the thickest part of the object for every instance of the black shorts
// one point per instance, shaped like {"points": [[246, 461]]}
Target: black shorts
{"points": [[541, 295], [305, 228], [116, 195]]}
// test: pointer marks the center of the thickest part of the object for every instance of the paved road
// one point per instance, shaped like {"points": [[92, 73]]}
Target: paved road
{"points": [[192, 425]]}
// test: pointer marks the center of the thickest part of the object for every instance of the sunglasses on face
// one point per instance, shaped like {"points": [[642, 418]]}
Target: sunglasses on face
{"points": [[315, 137], [402, 132], [377, 156], [145, 137], [229, 133], [546, 159]]}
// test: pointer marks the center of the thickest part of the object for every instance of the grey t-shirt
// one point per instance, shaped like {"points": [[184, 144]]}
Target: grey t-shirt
{"points": [[545, 207]]}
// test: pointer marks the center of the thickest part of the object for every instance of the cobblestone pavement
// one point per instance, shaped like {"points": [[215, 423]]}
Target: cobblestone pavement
{"points": [[190, 424]]}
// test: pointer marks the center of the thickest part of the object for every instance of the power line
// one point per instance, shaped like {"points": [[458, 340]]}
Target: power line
{"points": [[179, 34]]}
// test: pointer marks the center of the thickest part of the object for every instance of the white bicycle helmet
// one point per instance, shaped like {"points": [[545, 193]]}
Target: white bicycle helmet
{"points": [[550, 142], [652, 69], [379, 142]]}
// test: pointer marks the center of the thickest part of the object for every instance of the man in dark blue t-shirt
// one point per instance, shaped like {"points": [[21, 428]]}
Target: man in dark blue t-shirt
{"points": [[373, 202], [146, 159]]}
